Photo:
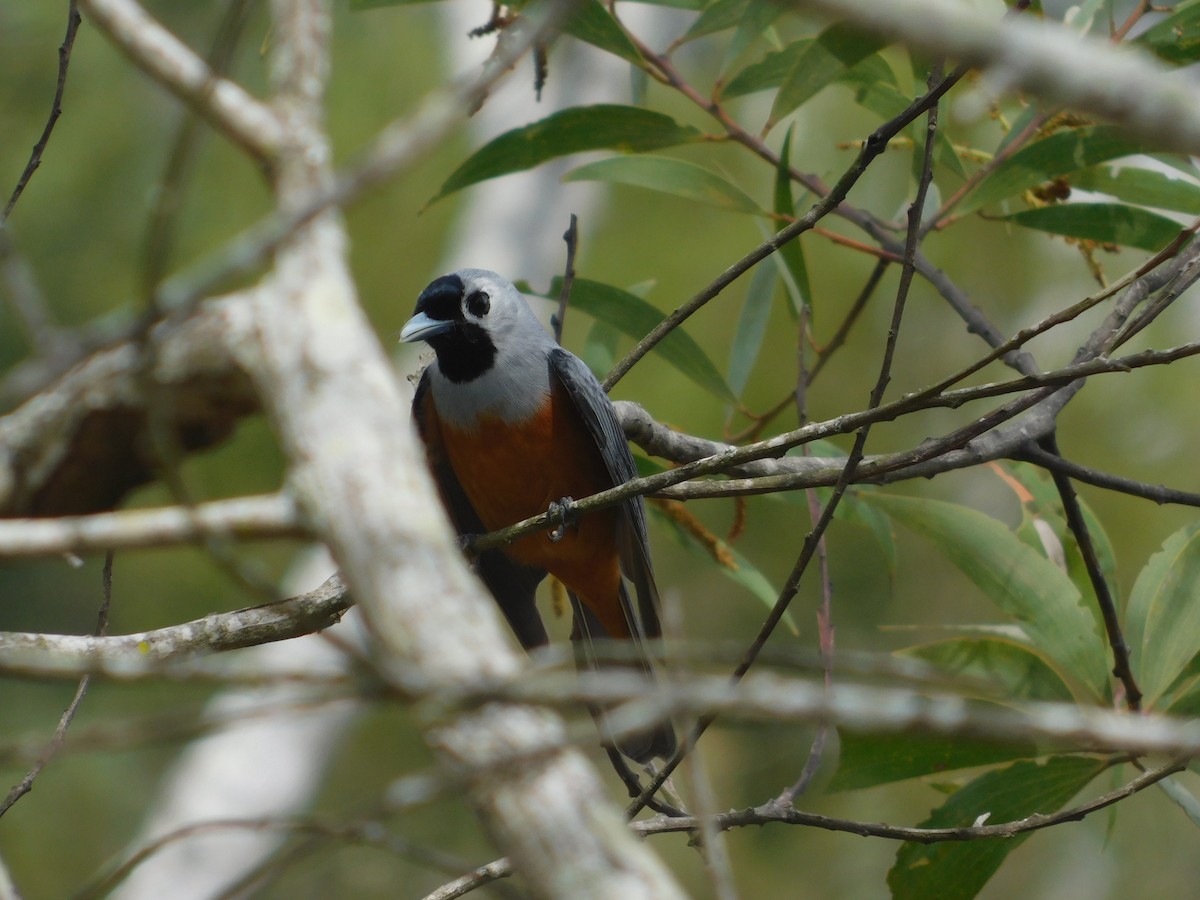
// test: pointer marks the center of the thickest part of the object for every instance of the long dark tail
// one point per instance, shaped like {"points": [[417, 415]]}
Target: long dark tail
{"points": [[643, 746]]}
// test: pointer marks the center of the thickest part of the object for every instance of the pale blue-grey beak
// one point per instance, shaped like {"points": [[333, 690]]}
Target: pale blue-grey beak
{"points": [[421, 328]]}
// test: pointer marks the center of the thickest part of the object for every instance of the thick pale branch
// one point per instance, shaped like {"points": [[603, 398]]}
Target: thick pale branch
{"points": [[871, 709], [247, 121], [1040, 57], [358, 471], [266, 516]]}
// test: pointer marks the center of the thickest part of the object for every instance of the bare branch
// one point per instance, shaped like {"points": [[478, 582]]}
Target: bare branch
{"points": [[268, 515], [76, 447], [776, 813], [151, 653], [332, 396]]}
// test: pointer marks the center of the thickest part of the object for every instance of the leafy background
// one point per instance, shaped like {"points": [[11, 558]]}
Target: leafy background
{"points": [[81, 225]]}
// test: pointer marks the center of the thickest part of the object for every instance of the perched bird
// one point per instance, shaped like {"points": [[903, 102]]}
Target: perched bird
{"points": [[513, 424]]}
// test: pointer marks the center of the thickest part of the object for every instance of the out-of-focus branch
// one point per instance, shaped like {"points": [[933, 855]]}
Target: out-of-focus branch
{"points": [[264, 516], [1037, 56], [152, 653], [357, 469], [78, 447], [247, 121]]}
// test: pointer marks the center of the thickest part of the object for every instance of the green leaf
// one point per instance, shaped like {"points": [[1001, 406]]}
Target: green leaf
{"points": [[1148, 586], [1080, 17], [359, 5], [1141, 186], [836, 50], [958, 870], [1018, 125], [1107, 223], [1047, 506], [1058, 154], [1164, 613], [774, 67], [852, 510], [752, 579], [755, 20], [695, 5], [866, 760], [752, 325], [742, 572], [600, 348], [1177, 37], [886, 101], [628, 129], [669, 176], [1186, 700], [791, 255], [1015, 670], [1016, 578], [635, 317], [717, 16], [593, 24]]}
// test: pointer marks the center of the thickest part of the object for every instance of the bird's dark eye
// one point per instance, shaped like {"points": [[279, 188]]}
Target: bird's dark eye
{"points": [[478, 303]]}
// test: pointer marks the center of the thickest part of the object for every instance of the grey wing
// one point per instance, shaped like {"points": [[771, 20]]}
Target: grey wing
{"points": [[514, 586], [597, 412]]}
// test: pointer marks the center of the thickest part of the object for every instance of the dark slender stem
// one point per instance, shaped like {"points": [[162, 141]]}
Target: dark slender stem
{"points": [[874, 145], [571, 236], [1104, 598], [1156, 492], [812, 539], [35, 159], [25, 785], [775, 813]]}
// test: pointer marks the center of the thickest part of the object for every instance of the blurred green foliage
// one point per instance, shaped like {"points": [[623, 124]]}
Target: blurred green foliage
{"points": [[81, 225]]}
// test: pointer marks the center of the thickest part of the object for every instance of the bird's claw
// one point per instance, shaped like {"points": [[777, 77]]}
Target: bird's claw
{"points": [[466, 543], [564, 511]]}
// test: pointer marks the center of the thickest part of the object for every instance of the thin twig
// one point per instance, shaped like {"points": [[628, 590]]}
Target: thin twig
{"points": [[875, 144], [775, 813], [26, 300], [889, 468], [35, 159], [25, 785], [571, 236], [812, 539], [364, 831], [1076, 522], [1158, 493]]}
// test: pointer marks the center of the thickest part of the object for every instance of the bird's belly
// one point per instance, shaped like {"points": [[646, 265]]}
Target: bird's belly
{"points": [[511, 473]]}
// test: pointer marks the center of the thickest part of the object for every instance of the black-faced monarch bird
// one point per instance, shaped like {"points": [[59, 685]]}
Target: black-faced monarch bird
{"points": [[513, 423]]}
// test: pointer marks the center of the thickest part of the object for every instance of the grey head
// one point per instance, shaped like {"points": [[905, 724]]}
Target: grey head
{"points": [[492, 352]]}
